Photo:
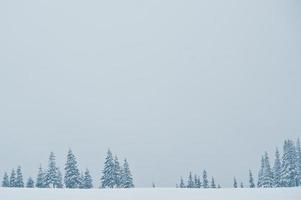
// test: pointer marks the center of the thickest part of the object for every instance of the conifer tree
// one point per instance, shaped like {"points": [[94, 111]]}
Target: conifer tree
{"points": [[87, 180], [40, 183], [126, 176], [72, 175], [5, 182], [30, 183], [234, 182], [19, 178], [298, 160], [251, 180], [81, 181], [59, 179], [108, 177], [212, 183], [241, 185], [182, 184], [267, 180], [52, 175], [12, 180], [197, 182], [260, 173], [190, 183], [117, 172], [205, 179], [288, 169], [277, 170]]}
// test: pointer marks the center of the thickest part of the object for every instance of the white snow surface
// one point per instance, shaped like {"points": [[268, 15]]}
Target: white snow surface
{"points": [[150, 194]]}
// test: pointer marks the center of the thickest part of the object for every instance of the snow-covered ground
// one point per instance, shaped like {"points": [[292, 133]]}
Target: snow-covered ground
{"points": [[150, 194]]}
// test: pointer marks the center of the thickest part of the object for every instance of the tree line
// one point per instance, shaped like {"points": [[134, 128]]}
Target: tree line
{"points": [[285, 172], [113, 175]]}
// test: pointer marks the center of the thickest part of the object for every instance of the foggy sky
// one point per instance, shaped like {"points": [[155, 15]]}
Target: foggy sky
{"points": [[173, 86]]}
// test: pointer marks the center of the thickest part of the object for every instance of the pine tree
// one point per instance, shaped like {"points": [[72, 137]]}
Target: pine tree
{"points": [[5, 182], [267, 180], [71, 171], [234, 182], [108, 177], [153, 185], [52, 175], [117, 172], [212, 183], [40, 183], [277, 170], [196, 181], [59, 179], [81, 181], [251, 180], [182, 184], [241, 185], [126, 176], [260, 173], [288, 169], [30, 183], [298, 162], [190, 183], [87, 180], [205, 179], [19, 178], [12, 180]]}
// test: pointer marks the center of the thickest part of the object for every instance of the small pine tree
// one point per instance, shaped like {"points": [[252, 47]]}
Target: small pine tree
{"points": [[19, 178], [5, 182], [234, 182], [30, 183], [52, 175], [72, 175], [241, 185], [251, 179], [88, 183], [108, 177], [260, 173], [267, 180], [59, 179], [117, 172], [190, 183], [288, 169], [126, 176], [197, 182], [182, 184], [212, 183], [81, 181], [40, 182], [12, 180], [205, 179], [277, 170], [153, 185]]}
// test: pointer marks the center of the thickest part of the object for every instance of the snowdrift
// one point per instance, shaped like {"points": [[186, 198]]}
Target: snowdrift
{"points": [[150, 194]]}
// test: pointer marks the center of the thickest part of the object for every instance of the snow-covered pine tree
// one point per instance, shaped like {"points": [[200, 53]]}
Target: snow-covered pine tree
{"points": [[196, 182], [12, 179], [212, 184], [52, 176], [298, 160], [72, 175], [108, 177], [30, 183], [260, 173], [251, 180], [5, 181], [81, 181], [19, 178], [267, 180], [205, 179], [288, 169], [277, 170], [190, 183], [117, 172], [182, 184], [126, 176], [241, 185], [234, 182], [88, 183], [40, 182]]}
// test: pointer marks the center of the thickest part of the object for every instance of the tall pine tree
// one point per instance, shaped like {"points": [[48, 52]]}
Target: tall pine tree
{"points": [[126, 176], [190, 183], [12, 179], [108, 177], [117, 172], [40, 182], [72, 176], [267, 180], [277, 170], [288, 169], [205, 179], [19, 178], [52, 176], [260, 173]]}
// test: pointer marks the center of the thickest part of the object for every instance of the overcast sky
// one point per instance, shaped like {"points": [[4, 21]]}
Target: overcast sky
{"points": [[174, 86]]}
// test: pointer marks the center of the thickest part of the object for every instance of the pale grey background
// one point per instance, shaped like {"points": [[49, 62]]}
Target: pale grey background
{"points": [[172, 85]]}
